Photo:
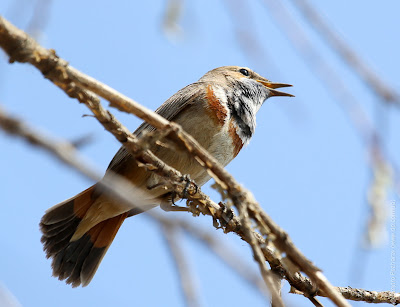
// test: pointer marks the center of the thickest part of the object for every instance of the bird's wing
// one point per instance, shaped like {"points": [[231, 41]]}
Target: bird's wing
{"points": [[184, 98]]}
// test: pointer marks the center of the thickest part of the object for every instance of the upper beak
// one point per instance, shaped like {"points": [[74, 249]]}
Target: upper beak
{"points": [[272, 86]]}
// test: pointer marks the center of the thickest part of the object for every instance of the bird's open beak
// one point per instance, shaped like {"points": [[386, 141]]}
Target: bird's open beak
{"points": [[272, 86]]}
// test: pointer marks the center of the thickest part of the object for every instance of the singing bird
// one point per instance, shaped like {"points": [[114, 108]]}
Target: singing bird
{"points": [[219, 111]]}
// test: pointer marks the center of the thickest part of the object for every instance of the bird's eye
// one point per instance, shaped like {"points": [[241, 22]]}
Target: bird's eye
{"points": [[244, 72]]}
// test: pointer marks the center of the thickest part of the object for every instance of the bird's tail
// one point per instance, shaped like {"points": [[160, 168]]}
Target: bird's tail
{"points": [[76, 259]]}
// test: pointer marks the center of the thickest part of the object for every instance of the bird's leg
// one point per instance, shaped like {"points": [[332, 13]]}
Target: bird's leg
{"points": [[168, 204]]}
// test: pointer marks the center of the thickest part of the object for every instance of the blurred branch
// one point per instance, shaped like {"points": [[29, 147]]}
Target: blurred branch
{"points": [[270, 279], [63, 151], [186, 280], [246, 34], [245, 31], [173, 12], [377, 198], [66, 153], [82, 141], [333, 81], [224, 253], [40, 18], [322, 69], [371, 79], [7, 299]]}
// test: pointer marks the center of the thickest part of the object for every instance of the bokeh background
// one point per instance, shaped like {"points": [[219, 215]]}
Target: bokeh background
{"points": [[312, 164]]}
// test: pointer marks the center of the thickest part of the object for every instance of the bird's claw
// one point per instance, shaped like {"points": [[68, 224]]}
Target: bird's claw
{"points": [[185, 192]]}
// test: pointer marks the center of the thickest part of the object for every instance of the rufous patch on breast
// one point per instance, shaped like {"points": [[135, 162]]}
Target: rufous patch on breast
{"points": [[217, 111], [236, 140]]}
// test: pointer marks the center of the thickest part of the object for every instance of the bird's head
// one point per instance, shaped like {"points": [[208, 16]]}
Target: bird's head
{"points": [[243, 79]]}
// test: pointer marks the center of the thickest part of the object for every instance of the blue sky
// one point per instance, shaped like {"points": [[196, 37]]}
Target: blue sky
{"points": [[306, 164]]}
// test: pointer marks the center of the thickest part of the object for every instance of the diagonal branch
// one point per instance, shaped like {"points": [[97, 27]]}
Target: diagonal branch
{"points": [[67, 154], [21, 47]]}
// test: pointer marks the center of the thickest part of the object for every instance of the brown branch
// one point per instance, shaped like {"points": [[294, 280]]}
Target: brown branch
{"points": [[67, 154], [46, 61], [371, 79], [374, 297], [22, 48], [370, 296]]}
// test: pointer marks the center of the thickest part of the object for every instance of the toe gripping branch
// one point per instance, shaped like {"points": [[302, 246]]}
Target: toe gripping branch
{"points": [[190, 188], [189, 182], [187, 190]]}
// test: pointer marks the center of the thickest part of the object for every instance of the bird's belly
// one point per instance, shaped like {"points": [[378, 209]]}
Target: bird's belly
{"points": [[219, 146]]}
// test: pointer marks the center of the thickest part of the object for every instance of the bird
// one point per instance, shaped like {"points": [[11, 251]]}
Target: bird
{"points": [[219, 111]]}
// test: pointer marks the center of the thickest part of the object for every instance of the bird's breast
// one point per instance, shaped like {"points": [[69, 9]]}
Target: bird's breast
{"points": [[209, 124]]}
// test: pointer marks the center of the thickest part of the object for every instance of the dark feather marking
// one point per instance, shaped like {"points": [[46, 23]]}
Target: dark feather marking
{"points": [[236, 112]]}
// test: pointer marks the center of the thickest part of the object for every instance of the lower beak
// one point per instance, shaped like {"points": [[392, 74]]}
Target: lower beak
{"points": [[271, 86]]}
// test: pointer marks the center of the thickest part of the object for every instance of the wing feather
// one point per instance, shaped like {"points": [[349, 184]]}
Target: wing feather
{"points": [[184, 98]]}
